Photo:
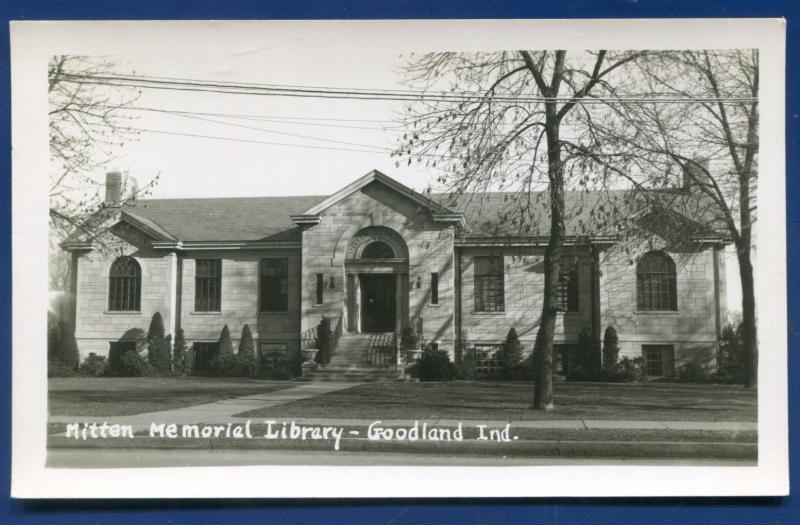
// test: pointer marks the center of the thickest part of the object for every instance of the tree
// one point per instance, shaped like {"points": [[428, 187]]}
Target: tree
{"points": [[158, 351], [224, 363], [180, 354], [88, 126], [324, 336], [706, 146], [247, 353], [499, 126], [610, 348], [510, 354]]}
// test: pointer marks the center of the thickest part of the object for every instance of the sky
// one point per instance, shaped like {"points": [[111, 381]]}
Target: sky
{"points": [[316, 136], [200, 167]]}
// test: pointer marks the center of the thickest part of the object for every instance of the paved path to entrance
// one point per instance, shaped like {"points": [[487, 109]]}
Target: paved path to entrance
{"points": [[223, 411], [216, 412]]}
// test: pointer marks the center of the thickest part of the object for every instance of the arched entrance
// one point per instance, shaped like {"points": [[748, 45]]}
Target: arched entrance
{"points": [[376, 266]]}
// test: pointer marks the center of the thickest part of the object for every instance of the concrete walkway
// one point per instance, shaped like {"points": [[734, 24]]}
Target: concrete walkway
{"points": [[223, 411], [216, 412]]}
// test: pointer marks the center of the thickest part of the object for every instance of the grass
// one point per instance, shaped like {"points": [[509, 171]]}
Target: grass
{"points": [[511, 401], [124, 396]]}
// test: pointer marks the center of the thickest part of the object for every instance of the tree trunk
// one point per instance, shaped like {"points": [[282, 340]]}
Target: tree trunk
{"points": [[543, 348], [748, 318]]}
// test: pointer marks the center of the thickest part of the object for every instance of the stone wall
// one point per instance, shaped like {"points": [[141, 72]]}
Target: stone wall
{"points": [[95, 326], [429, 244], [524, 288], [240, 298], [692, 329]]}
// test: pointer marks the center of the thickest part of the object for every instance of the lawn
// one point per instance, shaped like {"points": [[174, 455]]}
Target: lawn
{"points": [[124, 396], [511, 401]]}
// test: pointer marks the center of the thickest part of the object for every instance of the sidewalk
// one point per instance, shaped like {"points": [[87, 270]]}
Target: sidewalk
{"points": [[564, 438], [215, 412], [224, 411]]}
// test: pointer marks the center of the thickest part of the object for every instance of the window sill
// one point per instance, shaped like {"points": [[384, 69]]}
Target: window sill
{"points": [[317, 305], [656, 312], [432, 305], [571, 314], [122, 312], [488, 313], [206, 313]]}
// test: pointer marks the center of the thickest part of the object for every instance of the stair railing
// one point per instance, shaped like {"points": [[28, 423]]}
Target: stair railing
{"points": [[382, 350]]}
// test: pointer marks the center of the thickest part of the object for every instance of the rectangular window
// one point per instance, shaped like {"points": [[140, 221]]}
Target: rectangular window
{"points": [[659, 360], [434, 288], [273, 355], [320, 286], [274, 285], [486, 364], [489, 285], [207, 285], [568, 285], [564, 354]]}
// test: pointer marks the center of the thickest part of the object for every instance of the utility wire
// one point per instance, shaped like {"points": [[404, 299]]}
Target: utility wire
{"points": [[251, 141], [295, 121], [265, 130], [134, 81]]}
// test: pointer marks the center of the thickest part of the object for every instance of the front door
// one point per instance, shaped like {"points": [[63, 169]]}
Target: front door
{"points": [[378, 304]]}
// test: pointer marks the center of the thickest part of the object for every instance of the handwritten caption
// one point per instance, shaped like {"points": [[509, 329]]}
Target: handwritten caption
{"points": [[271, 429]]}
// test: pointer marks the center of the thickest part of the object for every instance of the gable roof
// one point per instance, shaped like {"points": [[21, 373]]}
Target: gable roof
{"points": [[225, 219], [375, 176], [280, 219]]}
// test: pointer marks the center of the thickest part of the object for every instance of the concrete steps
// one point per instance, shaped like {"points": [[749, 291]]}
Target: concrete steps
{"points": [[350, 350], [347, 363]]}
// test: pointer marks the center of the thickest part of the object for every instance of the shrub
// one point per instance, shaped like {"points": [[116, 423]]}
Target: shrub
{"points": [[625, 371], [180, 355], [225, 363], [433, 365], [158, 351], [68, 347], [610, 348], [731, 356], [94, 365], [53, 336], [56, 368], [692, 372], [324, 337], [587, 354], [133, 364], [295, 364], [509, 356], [465, 369], [631, 369], [522, 371], [247, 353]]}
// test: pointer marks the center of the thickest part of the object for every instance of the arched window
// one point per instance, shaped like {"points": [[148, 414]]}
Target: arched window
{"points": [[655, 283], [124, 285], [378, 250]]}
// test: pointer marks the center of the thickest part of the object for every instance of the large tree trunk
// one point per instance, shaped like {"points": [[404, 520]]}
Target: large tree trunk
{"points": [[543, 349], [748, 318]]}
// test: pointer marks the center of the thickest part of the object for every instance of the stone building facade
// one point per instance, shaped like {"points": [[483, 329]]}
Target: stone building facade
{"points": [[375, 258]]}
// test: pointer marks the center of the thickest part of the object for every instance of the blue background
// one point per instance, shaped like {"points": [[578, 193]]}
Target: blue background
{"points": [[549, 511]]}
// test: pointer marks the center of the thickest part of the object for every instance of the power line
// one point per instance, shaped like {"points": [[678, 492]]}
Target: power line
{"points": [[251, 141], [265, 130], [135, 81], [296, 121]]}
